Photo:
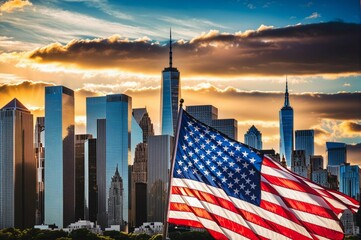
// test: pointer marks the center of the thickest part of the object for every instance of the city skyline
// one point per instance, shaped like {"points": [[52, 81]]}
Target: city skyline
{"points": [[320, 84]]}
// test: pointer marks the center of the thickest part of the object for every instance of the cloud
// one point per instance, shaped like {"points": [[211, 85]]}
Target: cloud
{"points": [[353, 153], [324, 48], [12, 5], [314, 15]]}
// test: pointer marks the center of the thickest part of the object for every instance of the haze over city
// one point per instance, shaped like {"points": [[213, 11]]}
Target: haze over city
{"points": [[234, 55]]}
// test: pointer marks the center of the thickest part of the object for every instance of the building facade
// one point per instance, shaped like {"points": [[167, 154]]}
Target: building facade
{"points": [[40, 161], [305, 141], [115, 200], [336, 153], [95, 109], [253, 138], [350, 180], [90, 180], [316, 162], [60, 158], [286, 129], [142, 117], [170, 96], [208, 114], [17, 167], [159, 156], [298, 163]]}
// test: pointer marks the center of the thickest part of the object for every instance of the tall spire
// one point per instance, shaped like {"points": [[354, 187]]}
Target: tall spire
{"points": [[287, 101], [170, 48]]}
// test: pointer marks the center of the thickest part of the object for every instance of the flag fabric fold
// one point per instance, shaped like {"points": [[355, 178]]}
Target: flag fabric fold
{"points": [[236, 193]]}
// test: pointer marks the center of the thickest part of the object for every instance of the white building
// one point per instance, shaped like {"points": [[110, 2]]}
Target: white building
{"points": [[150, 228]]}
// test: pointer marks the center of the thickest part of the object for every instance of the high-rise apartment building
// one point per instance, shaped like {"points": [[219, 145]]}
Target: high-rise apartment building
{"points": [[286, 129], [159, 157], [80, 140], [40, 161], [253, 138], [336, 153], [17, 167], [350, 180], [305, 141], [59, 156], [170, 96], [208, 114]]}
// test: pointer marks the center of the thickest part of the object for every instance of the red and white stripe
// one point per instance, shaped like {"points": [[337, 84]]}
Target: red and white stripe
{"points": [[291, 207]]}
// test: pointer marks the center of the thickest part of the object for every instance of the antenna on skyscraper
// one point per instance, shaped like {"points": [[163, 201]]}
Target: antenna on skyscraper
{"points": [[170, 48]]}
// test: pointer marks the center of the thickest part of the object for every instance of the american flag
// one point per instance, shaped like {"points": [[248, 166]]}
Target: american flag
{"points": [[235, 193]]}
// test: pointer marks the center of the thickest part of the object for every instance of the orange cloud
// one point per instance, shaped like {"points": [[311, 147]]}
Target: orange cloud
{"points": [[11, 5]]}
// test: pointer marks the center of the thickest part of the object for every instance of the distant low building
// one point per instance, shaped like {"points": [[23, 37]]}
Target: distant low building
{"points": [[150, 228]]}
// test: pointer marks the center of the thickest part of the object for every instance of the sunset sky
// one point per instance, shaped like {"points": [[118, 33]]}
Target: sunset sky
{"points": [[233, 54]]}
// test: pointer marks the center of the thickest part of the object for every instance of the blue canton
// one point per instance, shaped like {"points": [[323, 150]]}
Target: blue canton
{"points": [[206, 155]]}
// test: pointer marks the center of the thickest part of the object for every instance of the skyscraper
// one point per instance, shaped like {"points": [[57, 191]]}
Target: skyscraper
{"points": [[170, 95], [159, 156], [40, 161], [336, 153], [17, 167], [208, 114], [102, 216], [142, 117], [118, 143], [95, 109], [298, 163], [253, 138], [80, 140], [115, 200], [59, 156], [286, 129], [90, 180], [305, 141], [316, 162], [350, 180]]}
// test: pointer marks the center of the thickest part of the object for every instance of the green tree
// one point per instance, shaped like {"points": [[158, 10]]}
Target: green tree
{"points": [[157, 237]]}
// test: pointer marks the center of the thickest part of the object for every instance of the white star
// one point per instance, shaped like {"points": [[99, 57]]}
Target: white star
{"points": [[190, 123], [252, 160], [195, 171], [213, 179], [184, 157], [191, 133], [196, 139], [213, 168], [207, 130], [201, 135], [219, 153], [208, 162], [186, 137], [236, 180], [201, 166], [243, 175], [213, 136], [248, 180], [190, 164], [225, 158], [245, 154], [253, 197], [214, 158], [231, 153], [219, 163], [231, 143], [208, 151], [231, 164], [208, 141], [238, 170], [213, 147], [230, 185], [225, 168], [180, 163], [219, 142], [245, 164], [190, 143], [190, 154], [247, 192], [206, 172], [196, 128], [238, 148], [253, 186], [195, 160], [218, 174], [230, 174], [224, 179], [203, 146], [202, 156], [184, 147], [196, 150], [225, 148], [179, 172], [238, 159], [252, 172], [242, 186], [185, 168], [236, 191]]}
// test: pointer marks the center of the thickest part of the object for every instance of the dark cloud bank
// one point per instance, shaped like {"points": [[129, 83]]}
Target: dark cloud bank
{"points": [[332, 47]]}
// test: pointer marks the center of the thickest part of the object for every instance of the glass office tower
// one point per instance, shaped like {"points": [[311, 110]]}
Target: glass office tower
{"points": [[170, 96], [336, 153], [59, 156], [253, 138], [95, 109], [305, 141], [118, 143], [159, 156], [17, 167], [40, 161], [286, 129], [350, 180]]}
